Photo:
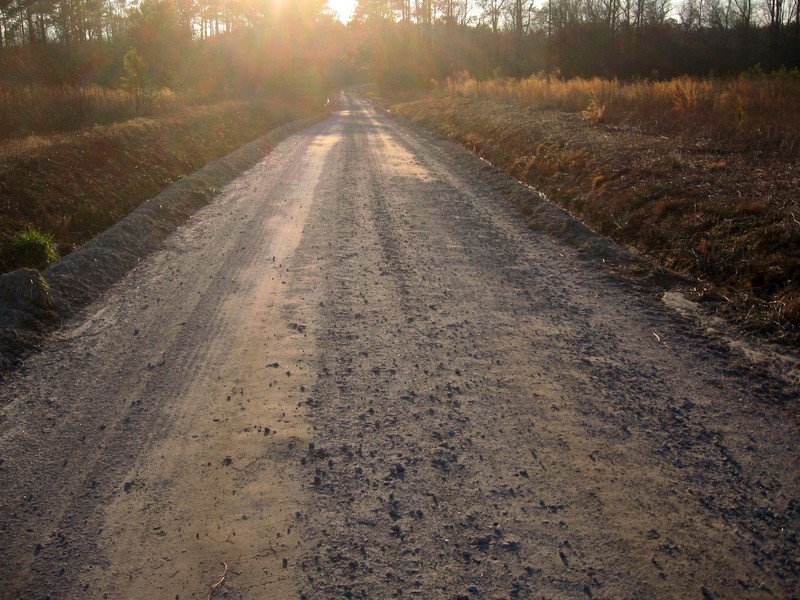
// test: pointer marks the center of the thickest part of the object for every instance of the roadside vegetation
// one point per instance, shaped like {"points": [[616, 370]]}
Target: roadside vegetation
{"points": [[700, 175], [59, 191], [34, 248], [753, 112]]}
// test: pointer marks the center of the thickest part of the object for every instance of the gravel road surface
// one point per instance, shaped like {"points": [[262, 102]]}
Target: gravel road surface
{"points": [[358, 374]]}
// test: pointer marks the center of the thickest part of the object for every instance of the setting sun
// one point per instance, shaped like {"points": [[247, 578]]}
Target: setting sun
{"points": [[343, 8]]}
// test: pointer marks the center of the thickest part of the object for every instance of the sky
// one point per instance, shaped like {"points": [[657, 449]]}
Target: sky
{"points": [[343, 7]]}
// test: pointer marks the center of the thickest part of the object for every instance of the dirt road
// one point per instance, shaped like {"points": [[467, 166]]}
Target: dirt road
{"points": [[358, 374]]}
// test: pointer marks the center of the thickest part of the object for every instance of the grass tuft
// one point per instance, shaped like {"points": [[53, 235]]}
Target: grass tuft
{"points": [[33, 248]]}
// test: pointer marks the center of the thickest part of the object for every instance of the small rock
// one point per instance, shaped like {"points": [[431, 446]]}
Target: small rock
{"points": [[483, 542], [563, 558]]}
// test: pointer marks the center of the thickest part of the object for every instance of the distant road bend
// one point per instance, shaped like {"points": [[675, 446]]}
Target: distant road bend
{"points": [[357, 374]]}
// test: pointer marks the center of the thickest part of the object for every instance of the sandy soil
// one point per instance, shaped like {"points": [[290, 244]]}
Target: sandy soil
{"points": [[359, 374]]}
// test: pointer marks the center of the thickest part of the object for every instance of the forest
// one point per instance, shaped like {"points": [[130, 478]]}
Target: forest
{"points": [[68, 63], [628, 39]]}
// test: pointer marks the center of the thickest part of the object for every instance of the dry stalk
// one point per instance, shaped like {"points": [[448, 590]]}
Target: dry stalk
{"points": [[220, 582]]}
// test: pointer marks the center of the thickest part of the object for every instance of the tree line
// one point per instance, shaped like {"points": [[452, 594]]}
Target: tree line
{"points": [[609, 38], [235, 47], [208, 48], [75, 21]]}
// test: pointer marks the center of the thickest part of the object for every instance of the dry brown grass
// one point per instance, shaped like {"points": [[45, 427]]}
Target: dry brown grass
{"points": [[36, 108], [732, 221], [74, 186], [745, 113]]}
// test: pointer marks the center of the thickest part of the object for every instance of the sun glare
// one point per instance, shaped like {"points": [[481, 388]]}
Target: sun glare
{"points": [[343, 8]]}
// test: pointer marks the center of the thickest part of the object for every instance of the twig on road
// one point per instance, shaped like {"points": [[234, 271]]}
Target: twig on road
{"points": [[220, 582]]}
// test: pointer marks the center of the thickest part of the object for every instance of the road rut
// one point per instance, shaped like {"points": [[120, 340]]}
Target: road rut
{"points": [[359, 374]]}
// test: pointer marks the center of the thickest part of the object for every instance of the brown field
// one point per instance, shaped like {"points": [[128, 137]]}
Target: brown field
{"points": [[748, 114], [700, 200]]}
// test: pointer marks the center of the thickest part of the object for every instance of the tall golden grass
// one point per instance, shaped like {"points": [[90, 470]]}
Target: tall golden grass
{"points": [[38, 108], [749, 113]]}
